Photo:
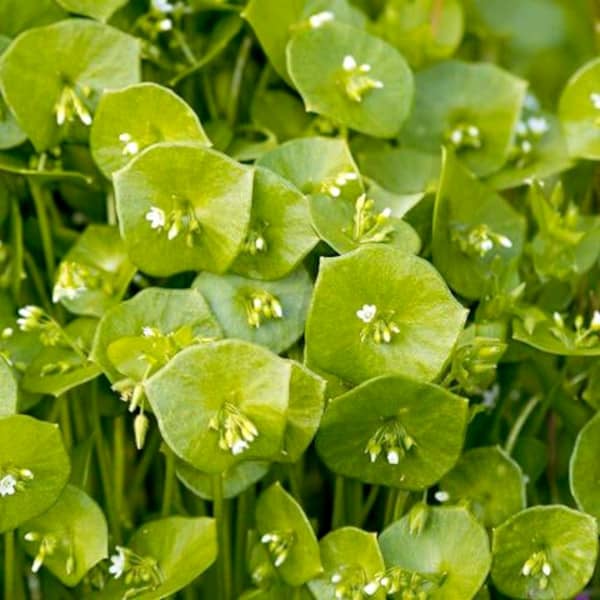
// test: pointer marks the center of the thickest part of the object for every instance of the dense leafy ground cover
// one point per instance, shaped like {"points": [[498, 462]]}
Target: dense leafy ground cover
{"points": [[299, 299]]}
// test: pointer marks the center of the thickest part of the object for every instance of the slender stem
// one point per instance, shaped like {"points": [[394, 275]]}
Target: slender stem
{"points": [[111, 209], [150, 450], [368, 504], [65, 421], [17, 245], [515, 430], [244, 508], [104, 466], [9, 564], [38, 282], [236, 79], [224, 558], [119, 461], [39, 200], [338, 518], [185, 47], [390, 505], [170, 481], [209, 96]]}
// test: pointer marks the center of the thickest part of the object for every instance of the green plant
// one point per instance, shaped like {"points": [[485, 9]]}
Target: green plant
{"points": [[299, 299]]}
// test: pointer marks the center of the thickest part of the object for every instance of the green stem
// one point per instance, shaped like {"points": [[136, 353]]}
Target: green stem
{"points": [[236, 79], [119, 461], [17, 245], [141, 471], [224, 558], [209, 97], [111, 209], [39, 200], [38, 283], [170, 481], [513, 434], [9, 564], [390, 506], [105, 471], [368, 504], [185, 47], [338, 518], [65, 422], [244, 509]]}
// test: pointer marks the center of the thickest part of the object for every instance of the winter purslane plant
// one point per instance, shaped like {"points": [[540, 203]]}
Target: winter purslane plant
{"points": [[299, 299]]}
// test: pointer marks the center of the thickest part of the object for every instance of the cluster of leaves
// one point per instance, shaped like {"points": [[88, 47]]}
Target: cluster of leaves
{"points": [[299, 299]]}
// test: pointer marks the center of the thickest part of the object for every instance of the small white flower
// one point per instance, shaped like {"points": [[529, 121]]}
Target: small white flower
{"points": [[546, 569], [349, 63], [456, 137], [371, 588], [163, 6], [336, 578], [526, 570], [266, 538], [334, 191], [442, 496], [538, 125], [320, 18], [526, 146], [238, 447], [473, 131], [156, 217], [148, 331], [386, 213], [131, 146], [521, 128], [504, 241], [595, 322], [165, 25], [8, 485], [393, 457], [7, 332], [118, 563], [259, 243], [487, 245], [367, 313], [595, 100]]}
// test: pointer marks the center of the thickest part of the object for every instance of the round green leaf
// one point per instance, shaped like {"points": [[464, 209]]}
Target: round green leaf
{"points": [[131, 119], [351, 76], [280, 234], [412, 305], [352, 558], [180, 549], [316, 165], [76, 528], [488, 482], [280, 517], [59, 368], [183, 207], [34, 469], [450, 557], [274, 22], [584, 468], [472, 225], [219, 404], [452, 97], [8, 390], [544, 553], [98, 9], [269, 313], [181, 317], [579, 111], [393, 431], [67, 64], [95, 272], [235, 480]]}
